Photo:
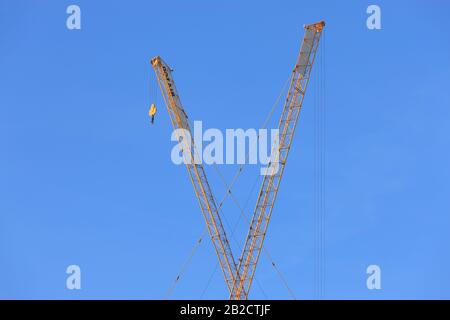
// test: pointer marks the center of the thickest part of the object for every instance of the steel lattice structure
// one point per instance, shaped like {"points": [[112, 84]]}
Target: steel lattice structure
{"points": [[196, 171], [239, 277], [271, 182]]}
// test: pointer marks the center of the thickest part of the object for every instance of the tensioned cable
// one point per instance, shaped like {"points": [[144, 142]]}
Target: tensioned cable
{"points": [[237, 174], [232, 232], [228, 192], [242, 211], [265, 250], [319, 164], [185, 264], [323, 83], [319, 145], [212, 276], [316, 242]]}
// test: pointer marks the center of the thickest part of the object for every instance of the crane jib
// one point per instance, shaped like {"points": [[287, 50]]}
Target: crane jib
{"points": [[197, 174], [239, 278]]}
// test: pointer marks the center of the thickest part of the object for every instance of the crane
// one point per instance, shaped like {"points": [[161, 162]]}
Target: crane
{"points": [[196, 171], [239, 277], [271, 182]]}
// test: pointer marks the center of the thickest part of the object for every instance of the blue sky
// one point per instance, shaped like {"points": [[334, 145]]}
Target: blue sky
{"points": [[84, 178]]}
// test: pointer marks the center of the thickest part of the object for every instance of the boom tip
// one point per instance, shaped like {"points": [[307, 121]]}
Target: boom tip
{"points": [[155, 60], [317, 26]]}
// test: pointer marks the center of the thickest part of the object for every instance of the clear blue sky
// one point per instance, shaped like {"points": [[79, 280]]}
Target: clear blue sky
{"points": [[84, 178]]}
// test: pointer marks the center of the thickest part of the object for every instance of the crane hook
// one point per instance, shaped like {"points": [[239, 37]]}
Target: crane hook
{"points": [[152, 112]]}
